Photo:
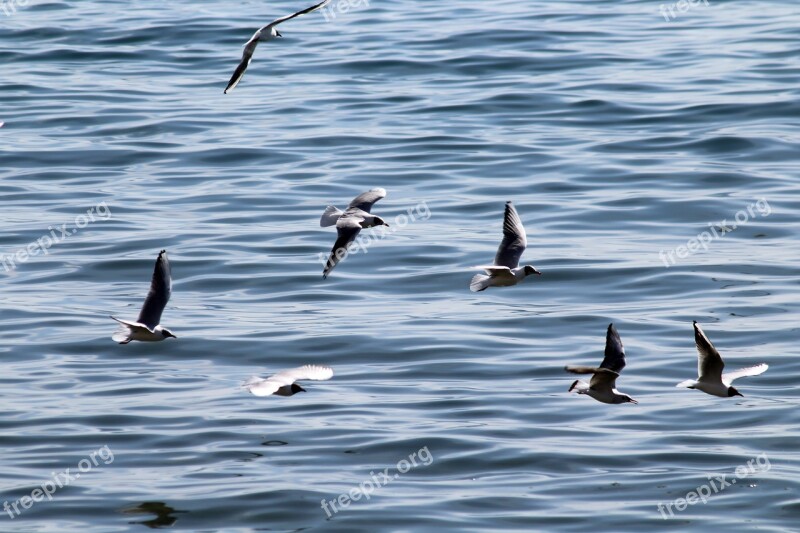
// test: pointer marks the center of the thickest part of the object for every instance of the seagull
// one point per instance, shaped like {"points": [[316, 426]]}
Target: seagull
{"points": [[602, 385], [349, 223], [711, 380], [266, 33], [147, 327], [283, 383], [506, 270]]}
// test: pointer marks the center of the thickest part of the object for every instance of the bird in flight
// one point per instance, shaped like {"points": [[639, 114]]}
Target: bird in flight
{"points": [[710, 379], [506, 270], [265, 33], [602, 386], [349, 223], [147, 327], [283, 383]]}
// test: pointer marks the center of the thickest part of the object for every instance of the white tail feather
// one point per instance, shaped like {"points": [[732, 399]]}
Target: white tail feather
{"points": [[330, 216], [479, 282]]}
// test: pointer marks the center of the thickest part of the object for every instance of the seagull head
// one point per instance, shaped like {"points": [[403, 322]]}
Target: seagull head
{"points": [[278, 34], [167, 333], [297, 388], [379, 222], [733, 392], [628, 399], [530, 270]]}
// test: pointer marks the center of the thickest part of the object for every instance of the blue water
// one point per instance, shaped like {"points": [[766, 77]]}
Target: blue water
{"points": [[620, 137]]}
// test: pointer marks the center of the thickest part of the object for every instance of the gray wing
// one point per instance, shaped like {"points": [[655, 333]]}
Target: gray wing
{"points": [[247, 56], [709, 362], [366, 200], [615, 353], [514, 240], [347, 229], [160, 291], [293, 15], [602, 378]]}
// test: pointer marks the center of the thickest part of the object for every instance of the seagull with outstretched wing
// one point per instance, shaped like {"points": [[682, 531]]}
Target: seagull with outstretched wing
{"points": [[284, 382], [265, 33], [602, 386], [506, 271], [147, 327], [349, 223], [710, 378]]}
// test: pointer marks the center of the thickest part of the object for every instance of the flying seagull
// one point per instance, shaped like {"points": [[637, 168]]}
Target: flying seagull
{"points": [[602, 385], [710, 379], [349, 223], [283, 383], [506, 270], [266, 33], [147, 327]]}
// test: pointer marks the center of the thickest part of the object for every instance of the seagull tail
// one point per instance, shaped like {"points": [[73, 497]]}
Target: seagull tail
{"points": [[686, 384], [578, 386], [330, 216], [122, 335], [479, 282]]}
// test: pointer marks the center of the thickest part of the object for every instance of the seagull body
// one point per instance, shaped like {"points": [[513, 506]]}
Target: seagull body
{"points": [[506, 271], [602, 386], [147, 327], [283, 383], [349, 223], [265, 33], [710, 378]]}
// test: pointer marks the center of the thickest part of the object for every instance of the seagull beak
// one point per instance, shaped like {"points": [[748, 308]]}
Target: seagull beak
{"points": [[633, 401]]}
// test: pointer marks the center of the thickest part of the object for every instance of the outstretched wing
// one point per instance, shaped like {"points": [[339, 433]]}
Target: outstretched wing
{"points": [[514, 240], [247, 56], [365, 201], [615, 353], [602, 378], [709, 362], [744, 372], [347, 229], [160, 291], [293, 15]]}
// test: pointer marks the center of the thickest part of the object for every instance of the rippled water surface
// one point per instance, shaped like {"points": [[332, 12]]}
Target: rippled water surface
{"points": [[620, 137]]}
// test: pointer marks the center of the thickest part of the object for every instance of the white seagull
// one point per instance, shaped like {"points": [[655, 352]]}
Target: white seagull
{"points": [[283, 383], [602, 386], [147, 327], [349, 223], [506, 270], [266, 33], [710, 379]]}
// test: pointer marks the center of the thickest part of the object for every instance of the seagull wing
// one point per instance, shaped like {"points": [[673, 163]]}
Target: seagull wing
{"points": [[728, 378], [365, 201], [709, 362], [267, 387], [602, 378], [303, 12], [615, 353], [493, 269], [160, 291], [247, 56], [514, 240], [347, 229], [310, 372]]}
